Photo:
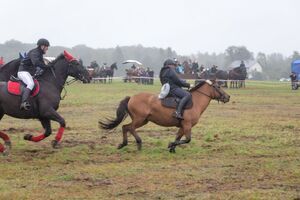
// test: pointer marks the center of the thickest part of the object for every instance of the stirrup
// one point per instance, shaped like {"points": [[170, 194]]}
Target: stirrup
{"points": [[25, 106], [177, 115]]}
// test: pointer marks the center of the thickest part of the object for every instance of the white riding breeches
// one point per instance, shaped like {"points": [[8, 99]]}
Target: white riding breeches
{"points": [[26, 78]]}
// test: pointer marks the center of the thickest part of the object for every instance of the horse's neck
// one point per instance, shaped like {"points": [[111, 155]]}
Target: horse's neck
{"points": [[200, 99], [58, 77]]}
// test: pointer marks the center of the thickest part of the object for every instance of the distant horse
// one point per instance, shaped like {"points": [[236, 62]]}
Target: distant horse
{"points": [[237, 77], [97, 74], [222, 76], [110, 72], [46, 101], [145, 107]]}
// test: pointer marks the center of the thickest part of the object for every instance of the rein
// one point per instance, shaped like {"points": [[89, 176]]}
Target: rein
{"points": [[73, 80], [204, 94], [209, 95]]}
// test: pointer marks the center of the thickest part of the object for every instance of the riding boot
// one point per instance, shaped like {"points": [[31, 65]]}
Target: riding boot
{"points": [[178, 113], [25, 104]]}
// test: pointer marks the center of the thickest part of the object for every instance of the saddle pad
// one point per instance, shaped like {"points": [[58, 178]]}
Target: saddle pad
{"points": [[15, 88], [171, 102]]}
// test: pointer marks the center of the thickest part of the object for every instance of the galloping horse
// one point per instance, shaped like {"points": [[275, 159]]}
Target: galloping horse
{"points": [[145, 107], [46, 101]]}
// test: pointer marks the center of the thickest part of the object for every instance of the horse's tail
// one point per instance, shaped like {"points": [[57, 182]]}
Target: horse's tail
{"points": [[121, 113]]}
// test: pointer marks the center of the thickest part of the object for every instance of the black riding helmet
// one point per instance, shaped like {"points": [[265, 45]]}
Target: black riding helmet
{"points": [[43, 41], [169, 62]]}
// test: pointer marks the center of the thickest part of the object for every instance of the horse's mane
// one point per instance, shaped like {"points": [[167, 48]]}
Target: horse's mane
{"points": [[198, 85], [59, 57]]}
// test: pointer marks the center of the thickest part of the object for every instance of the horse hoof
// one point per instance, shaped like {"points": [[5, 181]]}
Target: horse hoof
{"points": [[120, 146], [27, 137], [139, 146], [172, 150], [7, 144], [171, 144], [55, 144], [5, 152]]}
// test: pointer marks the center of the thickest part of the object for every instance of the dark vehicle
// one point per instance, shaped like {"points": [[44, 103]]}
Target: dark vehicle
{"points": [[295, 75]]}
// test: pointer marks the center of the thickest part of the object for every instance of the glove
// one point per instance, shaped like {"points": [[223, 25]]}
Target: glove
{"points": [[39, 71]]}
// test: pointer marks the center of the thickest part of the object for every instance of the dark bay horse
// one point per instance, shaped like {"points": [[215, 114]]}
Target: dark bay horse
{"points": [[45, 104], [110, 72], [10, 68], [237, 77], [145, 107]]}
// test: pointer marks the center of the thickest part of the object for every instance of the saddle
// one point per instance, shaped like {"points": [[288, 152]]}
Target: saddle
{"points": [[172, 102], [15, 86]]}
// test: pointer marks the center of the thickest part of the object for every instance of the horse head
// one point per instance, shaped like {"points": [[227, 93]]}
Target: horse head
{"points": [[72, 67], [114, 66], [78, 71], [214, 91]]}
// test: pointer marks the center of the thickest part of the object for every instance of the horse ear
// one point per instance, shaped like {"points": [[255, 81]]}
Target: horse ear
{"points": [[68, 56]]}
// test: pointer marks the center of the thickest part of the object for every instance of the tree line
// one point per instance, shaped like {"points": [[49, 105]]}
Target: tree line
{"points": [[275, 65]]}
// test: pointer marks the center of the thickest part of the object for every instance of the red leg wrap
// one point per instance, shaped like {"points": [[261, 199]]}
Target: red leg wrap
{"points": [[38, 138], [59, 134], [4, 136], [2, 148]]}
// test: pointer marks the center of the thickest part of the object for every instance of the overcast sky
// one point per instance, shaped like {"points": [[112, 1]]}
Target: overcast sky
{"points": [[187, 26]]}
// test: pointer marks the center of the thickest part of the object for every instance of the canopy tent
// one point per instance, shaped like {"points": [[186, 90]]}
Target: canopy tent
{"points": [[132, 61], [295, 68]]}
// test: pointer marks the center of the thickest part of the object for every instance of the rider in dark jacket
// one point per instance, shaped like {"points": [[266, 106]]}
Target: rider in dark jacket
{"points": [[168, 75], [32, 64]]}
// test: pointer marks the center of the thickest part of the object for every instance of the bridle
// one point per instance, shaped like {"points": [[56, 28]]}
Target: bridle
{"points": [[216, 88], [69, 82]]}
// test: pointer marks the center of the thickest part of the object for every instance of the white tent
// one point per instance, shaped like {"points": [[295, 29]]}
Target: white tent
{"points": [[132, 61]]}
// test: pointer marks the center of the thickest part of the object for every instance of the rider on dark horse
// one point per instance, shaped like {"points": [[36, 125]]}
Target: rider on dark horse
{"points": [[168, 75], [32, 64]]}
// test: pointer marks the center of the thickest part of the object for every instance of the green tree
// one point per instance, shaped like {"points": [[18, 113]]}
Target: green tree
{"points": [[233, 53]]}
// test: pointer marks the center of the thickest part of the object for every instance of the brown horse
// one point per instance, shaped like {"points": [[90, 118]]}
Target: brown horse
{"points": [[145, 107]]}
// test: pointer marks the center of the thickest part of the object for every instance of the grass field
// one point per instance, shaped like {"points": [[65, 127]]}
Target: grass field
{"points": [[248, 148]]}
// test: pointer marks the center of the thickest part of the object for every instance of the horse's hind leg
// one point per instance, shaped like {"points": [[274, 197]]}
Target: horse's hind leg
{"points": [[131, 128], [125, 129], [46, 125], [134, 126], [7, 144], [4, 149]]}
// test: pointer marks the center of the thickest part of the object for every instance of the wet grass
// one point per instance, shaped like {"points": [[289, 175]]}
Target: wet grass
{"points": [[246, 149]]}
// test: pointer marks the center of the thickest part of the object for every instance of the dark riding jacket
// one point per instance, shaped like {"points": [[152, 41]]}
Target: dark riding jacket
{"points": [[168, 75], [32, 61]]}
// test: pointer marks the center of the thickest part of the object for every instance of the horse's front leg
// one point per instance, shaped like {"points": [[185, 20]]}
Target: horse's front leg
{"points": [[53, 115], [47, 127], [182, 131], [172, 145]]}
